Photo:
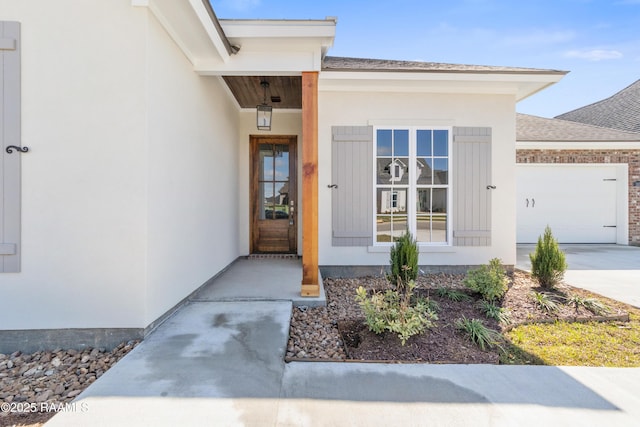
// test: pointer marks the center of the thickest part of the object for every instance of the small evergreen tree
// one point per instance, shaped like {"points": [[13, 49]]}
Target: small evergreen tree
{"points": [[404, 261], [548, 262]]}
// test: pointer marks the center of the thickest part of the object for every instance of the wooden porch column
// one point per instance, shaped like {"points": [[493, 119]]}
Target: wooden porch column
{"points": [[310, 285]]}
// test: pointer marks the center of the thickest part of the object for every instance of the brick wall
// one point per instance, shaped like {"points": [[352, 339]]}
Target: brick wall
{"points": [[630, 157]]}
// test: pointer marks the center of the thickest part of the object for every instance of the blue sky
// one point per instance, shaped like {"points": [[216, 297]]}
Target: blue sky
{"points": [[597, 40]]}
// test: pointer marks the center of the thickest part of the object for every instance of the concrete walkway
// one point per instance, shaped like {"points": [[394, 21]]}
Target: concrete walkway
{"points": [[609, 270], [220, 363]]}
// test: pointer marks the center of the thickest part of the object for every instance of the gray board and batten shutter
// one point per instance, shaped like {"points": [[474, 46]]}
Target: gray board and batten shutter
{"points": [[472, 181], [352, 185], [9, 135]]}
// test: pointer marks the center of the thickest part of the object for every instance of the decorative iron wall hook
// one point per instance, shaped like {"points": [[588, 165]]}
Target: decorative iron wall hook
{"points": [[10, 149], [491, 187]]}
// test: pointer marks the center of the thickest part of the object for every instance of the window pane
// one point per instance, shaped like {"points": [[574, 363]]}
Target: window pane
{"points": [[440, 143], [383, 171], [423, 171], [441, 171], [423, 229], [391, 200], [384, 142], [398, 226], [439, 200], [399, 169], [392, 171], [383, 228], [439, 228], [424, 143], [423, 200], [400, 142]]}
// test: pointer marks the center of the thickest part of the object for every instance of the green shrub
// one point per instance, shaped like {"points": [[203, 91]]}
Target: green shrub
{"points": [[592, 304], [395, 312], [478, 333], [492, 311], [404, 261], [545, 302], [452, 294], [490, 281], [548, 262]]}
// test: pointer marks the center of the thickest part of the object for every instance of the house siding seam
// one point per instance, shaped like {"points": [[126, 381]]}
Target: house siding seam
{"points": [[630, 157]]}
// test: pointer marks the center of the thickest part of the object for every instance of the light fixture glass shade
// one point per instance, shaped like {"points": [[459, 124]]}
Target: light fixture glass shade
{"points": [[264, 116]]}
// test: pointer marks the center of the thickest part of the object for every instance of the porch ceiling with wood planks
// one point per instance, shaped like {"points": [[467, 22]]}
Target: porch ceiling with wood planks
{"points": [[248, 92]]}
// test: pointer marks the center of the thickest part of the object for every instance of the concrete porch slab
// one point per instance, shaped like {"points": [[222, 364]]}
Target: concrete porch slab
{"points": [[261, 280]]}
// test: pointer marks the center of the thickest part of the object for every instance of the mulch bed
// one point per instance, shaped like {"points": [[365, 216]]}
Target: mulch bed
{"points": [[314, 331]]}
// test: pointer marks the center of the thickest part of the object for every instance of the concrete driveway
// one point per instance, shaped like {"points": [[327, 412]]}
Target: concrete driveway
{"points": [[609, 270]]}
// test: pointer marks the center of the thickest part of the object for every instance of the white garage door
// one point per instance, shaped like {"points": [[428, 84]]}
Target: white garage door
{"points": [[578, 202]]}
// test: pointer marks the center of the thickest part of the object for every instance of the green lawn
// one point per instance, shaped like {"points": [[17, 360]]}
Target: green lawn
{"points": [[613, 344]]}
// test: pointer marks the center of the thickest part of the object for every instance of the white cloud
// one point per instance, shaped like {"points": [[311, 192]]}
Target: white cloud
{"points": [[594, 54]]}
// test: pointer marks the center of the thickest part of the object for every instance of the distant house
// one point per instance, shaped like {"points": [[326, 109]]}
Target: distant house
{"points": [[147, 175], [582, 180]]}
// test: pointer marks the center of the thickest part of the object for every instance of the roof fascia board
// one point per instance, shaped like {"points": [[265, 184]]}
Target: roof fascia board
{"points": [[260, 28], [212, 26], [517, 84], [578, 145]]}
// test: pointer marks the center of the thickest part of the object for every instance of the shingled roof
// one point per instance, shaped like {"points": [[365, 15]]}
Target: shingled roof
{"points": [[534, 128], [335, 63], [621, 111]]}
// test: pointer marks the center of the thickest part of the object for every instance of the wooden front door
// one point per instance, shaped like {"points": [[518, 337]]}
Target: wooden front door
{"points": [[273, 194]]}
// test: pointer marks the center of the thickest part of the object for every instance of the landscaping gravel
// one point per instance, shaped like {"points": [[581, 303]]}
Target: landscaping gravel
{"points": [[43, 382]]}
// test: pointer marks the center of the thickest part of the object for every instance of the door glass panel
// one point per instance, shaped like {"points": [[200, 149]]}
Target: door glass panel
{"points": [[266, 210], [281, 162], [266, 162], [281, 200]]}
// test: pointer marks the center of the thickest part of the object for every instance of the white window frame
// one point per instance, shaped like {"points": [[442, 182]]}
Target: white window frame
{"points": [[413, 186]]}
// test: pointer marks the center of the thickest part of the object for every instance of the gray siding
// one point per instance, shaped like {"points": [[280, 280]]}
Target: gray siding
{"points": [[9, 135], [352, 172], [472, 175]]}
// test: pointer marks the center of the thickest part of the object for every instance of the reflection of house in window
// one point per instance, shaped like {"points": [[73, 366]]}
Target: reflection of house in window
{"points": [[397, 168], [393, 201]]}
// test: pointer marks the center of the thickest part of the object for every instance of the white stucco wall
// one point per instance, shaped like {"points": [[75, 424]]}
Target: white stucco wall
{"points": [[361, 109], [128, 191], [192, 176], [83, 181]]}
